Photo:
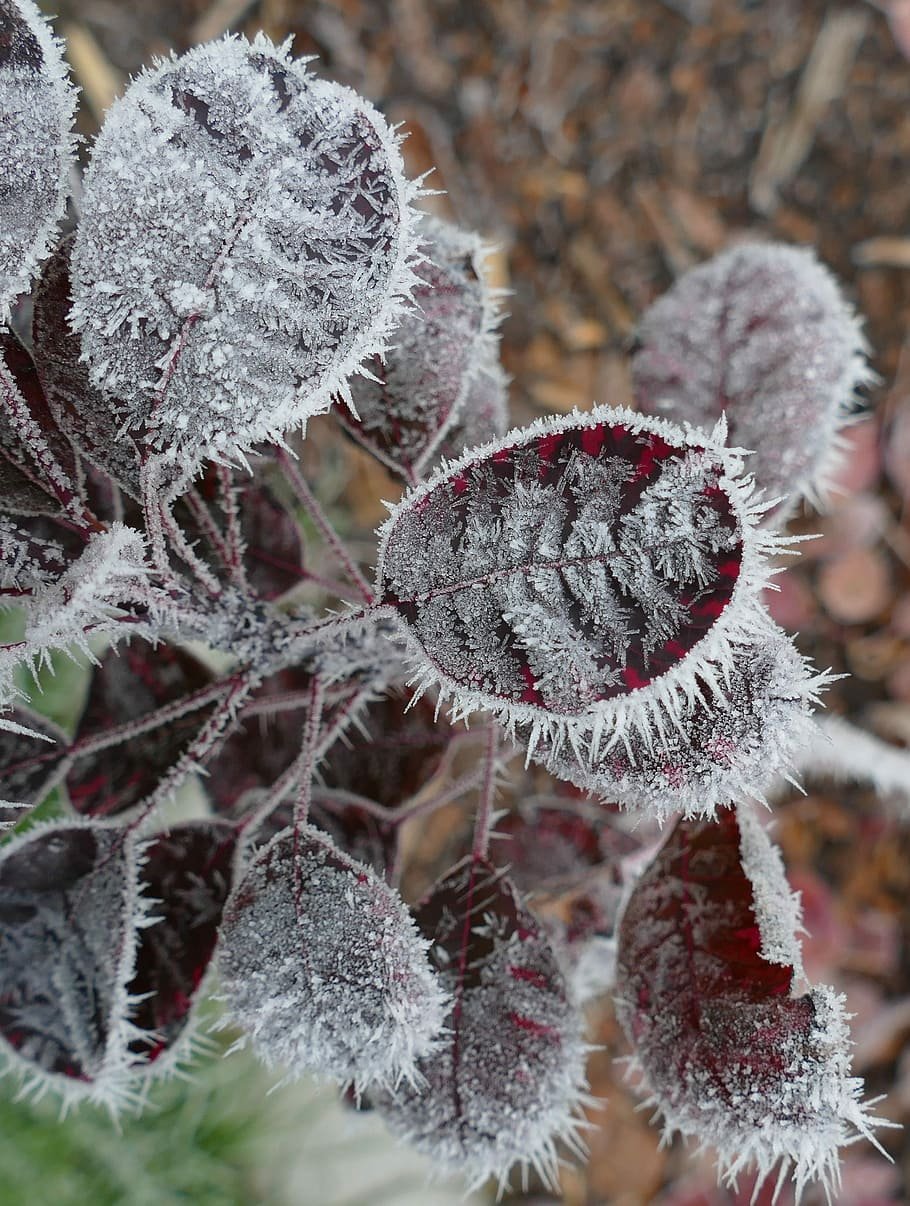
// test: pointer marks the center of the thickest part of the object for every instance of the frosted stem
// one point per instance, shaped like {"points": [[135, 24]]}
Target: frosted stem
{"points": [[323, 525], [487, 795]]}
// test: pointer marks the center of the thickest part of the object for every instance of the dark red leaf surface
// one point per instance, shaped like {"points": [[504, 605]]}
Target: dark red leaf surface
{"points": [[188, 872]]}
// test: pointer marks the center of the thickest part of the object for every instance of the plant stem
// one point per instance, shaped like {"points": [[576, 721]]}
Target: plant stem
{"points": [[481, 844], [323, 525]]}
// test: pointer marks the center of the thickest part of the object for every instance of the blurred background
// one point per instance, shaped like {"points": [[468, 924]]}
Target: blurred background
{"points": [[605, 146]]}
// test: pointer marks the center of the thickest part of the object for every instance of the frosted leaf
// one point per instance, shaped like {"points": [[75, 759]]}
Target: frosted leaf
{"points": [[128, 686], [733, 1046], [485, 413], [94, 421], [576, 576], [762, 333], [37, 102], [733, 735], [40, 466], [186, 875], [70, 906], [246, 242], [322, 965], [418, 391], [506, 1084], [30, 762]]}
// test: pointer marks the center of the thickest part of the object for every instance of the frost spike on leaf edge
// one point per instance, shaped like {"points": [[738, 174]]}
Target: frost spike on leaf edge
{"points": [[654, 707]]}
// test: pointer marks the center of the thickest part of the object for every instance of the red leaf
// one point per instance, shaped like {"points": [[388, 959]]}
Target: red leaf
{"points": [[707, 971], [187, 873], [506, 1082], [555, 577]]}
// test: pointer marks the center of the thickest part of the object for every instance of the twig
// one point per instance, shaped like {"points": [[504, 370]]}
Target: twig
{"points": [[323, 525]]}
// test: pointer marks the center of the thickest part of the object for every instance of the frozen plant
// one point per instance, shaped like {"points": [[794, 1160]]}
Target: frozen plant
{"points": [[248, 256]]}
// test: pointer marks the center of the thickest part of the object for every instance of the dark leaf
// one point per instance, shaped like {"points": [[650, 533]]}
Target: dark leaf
{"points": [[322, 965], [709, 974], [187, 872], [506, 1082], [128, 685], [68, 905], [29, 767]]}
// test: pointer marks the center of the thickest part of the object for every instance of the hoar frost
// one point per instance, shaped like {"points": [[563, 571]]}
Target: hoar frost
{"points": [[246, 241], [323, 967]]}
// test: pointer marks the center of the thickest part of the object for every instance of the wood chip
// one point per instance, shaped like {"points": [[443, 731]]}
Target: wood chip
{"points": [[786, 144]]}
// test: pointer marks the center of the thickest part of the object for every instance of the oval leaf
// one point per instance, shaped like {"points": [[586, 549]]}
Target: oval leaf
{"points": [[70, 905], [226, 285], [321, 964], [763, 334], [577, 575], [37, 102], [506, 1083], [708, 975]]}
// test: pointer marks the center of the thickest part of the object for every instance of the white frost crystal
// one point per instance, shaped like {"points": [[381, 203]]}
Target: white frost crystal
{"points": [[323, 967], [247, 240], [37, 102]]}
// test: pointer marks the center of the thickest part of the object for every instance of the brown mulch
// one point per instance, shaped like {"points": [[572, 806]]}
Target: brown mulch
{"points": [[606, 146]]}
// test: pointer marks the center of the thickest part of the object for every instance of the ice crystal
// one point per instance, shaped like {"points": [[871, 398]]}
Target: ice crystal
{"points": [[733, 1046], [420, 390], [763, 334], [506, 1084], [738, 729], [322, 966], [577, 576], [37, 102], [246, 241]]}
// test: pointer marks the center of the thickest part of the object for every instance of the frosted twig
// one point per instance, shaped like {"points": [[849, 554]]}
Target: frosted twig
{"points": [[323, 525]]}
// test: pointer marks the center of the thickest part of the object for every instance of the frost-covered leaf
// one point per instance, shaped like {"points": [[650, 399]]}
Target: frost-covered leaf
{"points": [[762, 333], [129, 685], [484, 416], [734, 1047], [29, 762], [422, 385], [505, 1085], [37, 102], [322, 965], [70, 907], [186, 875], [40, 469], [93, 420], [575, 576], [735, 733], [246, 241]]}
